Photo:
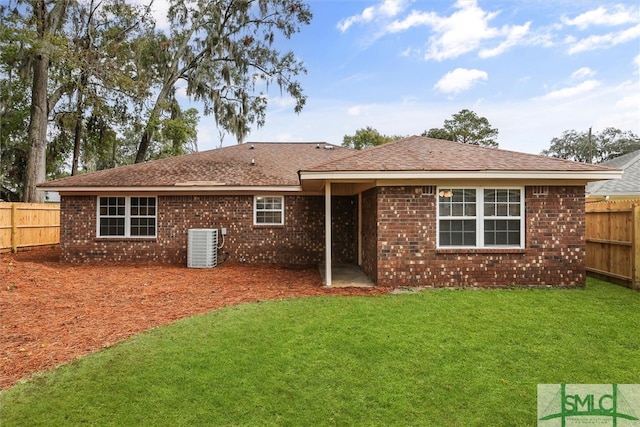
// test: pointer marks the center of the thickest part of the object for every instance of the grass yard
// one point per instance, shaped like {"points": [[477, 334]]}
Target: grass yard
{"points": [[434, 358]]}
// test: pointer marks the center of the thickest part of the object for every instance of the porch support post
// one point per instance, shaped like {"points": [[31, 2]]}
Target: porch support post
{"points": [[327, 232], [360, 229]]}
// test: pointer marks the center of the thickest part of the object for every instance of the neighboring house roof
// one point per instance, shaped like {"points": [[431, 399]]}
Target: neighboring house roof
{"points": [[628, 185], [284, 166], [275, 164]]}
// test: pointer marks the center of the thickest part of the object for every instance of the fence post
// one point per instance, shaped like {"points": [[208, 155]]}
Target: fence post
{"points": [[635, 245], [14, 227]]}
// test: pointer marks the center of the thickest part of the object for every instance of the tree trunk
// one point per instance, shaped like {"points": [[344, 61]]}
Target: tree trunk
{"points": [[77, 139], [79, 128], [37, 133], [152, 122], [145, 141]]}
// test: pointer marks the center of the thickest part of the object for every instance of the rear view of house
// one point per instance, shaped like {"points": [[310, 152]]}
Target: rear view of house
{"points": [[417, 211]]}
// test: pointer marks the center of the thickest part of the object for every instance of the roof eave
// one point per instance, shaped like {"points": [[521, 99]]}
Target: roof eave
{"points": [[489, 174], [176, 189]]}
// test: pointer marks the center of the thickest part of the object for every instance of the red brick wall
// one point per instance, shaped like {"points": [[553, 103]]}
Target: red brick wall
{"points": [[398, 241], [370, 234], [554, 244], [299, 241]]}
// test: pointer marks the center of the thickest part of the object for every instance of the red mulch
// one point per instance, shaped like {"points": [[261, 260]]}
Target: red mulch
{"points": [[52, 313]]}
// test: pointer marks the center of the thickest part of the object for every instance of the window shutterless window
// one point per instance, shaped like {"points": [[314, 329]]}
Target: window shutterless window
{"points": [[268, 210], [481, 218], [127, 217]]}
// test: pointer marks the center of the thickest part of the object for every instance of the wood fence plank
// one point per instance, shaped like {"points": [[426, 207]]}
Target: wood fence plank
{"points": [[613, 240], [28, 224], [14, 228], [635, 282]]}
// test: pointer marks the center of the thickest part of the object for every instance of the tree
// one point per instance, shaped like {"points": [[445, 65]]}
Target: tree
{"points": [[48, 21], [366, 137], [468, 128], [225, 52], [99, 71], [14, 114], [438, 133], [104, 35], [178, 133], [588, 148]]}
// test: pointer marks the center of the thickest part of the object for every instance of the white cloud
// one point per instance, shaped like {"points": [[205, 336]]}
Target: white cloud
{"points": [[582, 73], [461, 32], [387, 9], [358, 110], [618, 15], [409, 52], [459, 80], [629, 102], [571, 92], [526, 125], [282, 102], [605, 40], [414, 19], [515, 35]]}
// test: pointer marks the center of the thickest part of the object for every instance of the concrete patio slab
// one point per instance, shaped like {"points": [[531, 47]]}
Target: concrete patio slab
{"points": [[346, 276]]}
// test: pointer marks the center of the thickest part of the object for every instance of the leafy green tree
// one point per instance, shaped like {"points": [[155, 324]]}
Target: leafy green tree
{"points": [[593, 148], [14, 115], [46, 19], [366, 137], [105, 34], [466, 127], [178, 134], [439, 133], [102, 62], [100, 81], [225, 52]]}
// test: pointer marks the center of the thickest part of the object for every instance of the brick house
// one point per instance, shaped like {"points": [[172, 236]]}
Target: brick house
{"points": [[417, 211]]}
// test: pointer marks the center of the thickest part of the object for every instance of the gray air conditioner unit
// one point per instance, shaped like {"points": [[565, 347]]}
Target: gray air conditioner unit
{"points": [[202, 248]]}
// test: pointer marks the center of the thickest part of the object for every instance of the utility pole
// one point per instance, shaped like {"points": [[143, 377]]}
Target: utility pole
{"points": [[590, 147]]}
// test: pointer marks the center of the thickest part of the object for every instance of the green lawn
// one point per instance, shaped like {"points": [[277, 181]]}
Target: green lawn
{"points": [[439, 357]]}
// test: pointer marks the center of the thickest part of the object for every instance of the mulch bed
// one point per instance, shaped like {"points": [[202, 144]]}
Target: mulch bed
{"points": [[52, 312]]}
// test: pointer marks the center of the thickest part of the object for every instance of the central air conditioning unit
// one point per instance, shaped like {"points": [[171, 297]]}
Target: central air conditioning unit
{"points": [[202, 248]]}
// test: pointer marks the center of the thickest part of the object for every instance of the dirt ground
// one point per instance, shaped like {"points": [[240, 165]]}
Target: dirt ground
{"points": [[52, 313]]}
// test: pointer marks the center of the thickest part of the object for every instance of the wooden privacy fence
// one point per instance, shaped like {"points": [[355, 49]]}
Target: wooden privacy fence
{"points": [[28, 224], [613, 241]]}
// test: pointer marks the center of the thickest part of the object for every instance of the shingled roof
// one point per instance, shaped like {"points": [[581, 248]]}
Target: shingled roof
{"points": [[286, 165], [628, 185], [274, 164], [417, 153]]}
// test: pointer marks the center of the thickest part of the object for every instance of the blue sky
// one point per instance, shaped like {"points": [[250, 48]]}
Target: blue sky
{"points": [[533, 68]]}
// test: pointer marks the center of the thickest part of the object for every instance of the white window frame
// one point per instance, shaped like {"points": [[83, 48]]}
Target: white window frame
{"points": [[480, 217], [127, 218], [256, 198]]}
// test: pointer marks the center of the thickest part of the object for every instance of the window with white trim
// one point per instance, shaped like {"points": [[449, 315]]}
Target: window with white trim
{"points": [[268, 210], [481, 217], [127, 216]]}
